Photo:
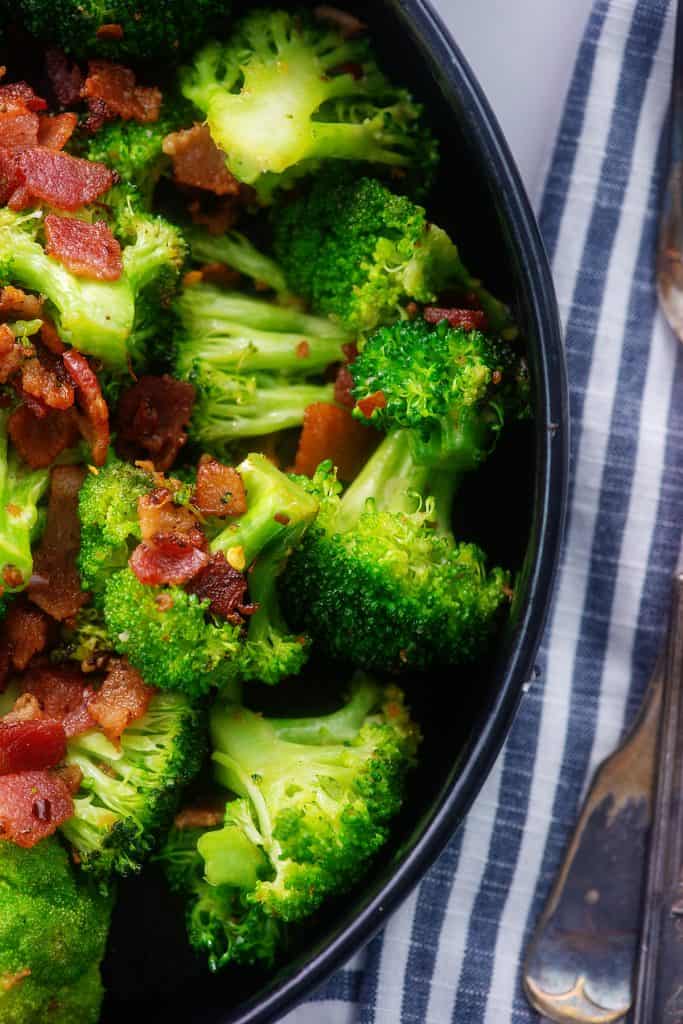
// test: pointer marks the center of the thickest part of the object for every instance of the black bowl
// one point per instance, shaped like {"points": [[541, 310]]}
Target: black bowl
{"points": [[515, 507]]}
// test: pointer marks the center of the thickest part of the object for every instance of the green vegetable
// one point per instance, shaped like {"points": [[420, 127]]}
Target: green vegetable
{"points": [[234, 250], [53, 929], [160, 30], [256, 365], [314, 798], [360, 254], [21, 490], [286, 93]]}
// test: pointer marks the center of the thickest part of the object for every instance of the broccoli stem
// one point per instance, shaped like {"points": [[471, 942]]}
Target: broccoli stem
{"points": [[236, 251], [339, 727], [261, 410], [20, 491]]}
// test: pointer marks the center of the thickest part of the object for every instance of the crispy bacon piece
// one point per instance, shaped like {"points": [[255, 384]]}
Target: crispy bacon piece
{"points": [[98, 115], [115, 86], [87, 250], [94, 421], [32, 806], [151, 419], [25, 633], [197, 161], [330, 432], [56, 585], [19, 96], [55, 130], [169, 558], [37, 175], [65, 78], [31, 745], [26, 708], [157, 513], [39, 440], [50, 339], [43, 377], [18, 129], [16, 304], [122, 699], [12, 354], [219, 490], [63, 694], [466, 319], [225, 588]]}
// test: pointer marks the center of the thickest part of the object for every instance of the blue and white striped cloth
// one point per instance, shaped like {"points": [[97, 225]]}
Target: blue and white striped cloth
{"points": [[452, 953]]}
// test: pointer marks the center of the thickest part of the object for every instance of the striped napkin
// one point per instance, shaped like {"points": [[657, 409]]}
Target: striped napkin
{"points": [[452, 953]]}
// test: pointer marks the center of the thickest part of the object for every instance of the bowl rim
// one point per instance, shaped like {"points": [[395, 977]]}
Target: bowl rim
{"points": [[551, 485]]}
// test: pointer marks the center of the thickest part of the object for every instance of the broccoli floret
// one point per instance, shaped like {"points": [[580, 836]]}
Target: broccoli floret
{"points": [[256, 365], [286, 93], [53, 930], [455, 389], [108, 511], [111, 320], [221, 924], [360, 253], [21, 489], [380, 581], [131, 790], [237, 252], [85, 640], [149, 31]]}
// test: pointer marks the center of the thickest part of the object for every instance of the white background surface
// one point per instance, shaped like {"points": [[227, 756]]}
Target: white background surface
{"points": [[523, 53]]}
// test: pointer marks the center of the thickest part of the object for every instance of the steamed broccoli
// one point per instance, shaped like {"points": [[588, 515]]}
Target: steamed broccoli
{"points": [[454, 388], [171, 636], [130, 790], [237, 252], [380, 581], [285, 93], [144, 31], [360, 254], [314, 798], [53, 930], [21, 489], [256, 365], [111, 320]]}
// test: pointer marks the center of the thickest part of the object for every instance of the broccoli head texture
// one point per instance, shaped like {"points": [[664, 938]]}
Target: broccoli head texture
{"points": [[53, 930], [145, 31], [130, 791], [380, 581], [286, 93], [360, 253], [21, 490]]}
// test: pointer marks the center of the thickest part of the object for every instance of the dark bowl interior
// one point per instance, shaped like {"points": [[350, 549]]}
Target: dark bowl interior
{"points": [[514, 507]]}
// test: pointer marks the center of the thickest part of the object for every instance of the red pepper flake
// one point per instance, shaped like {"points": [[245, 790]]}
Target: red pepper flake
{"points": [[110, 31], [303, 350], [463, 319], [367, 405], [282, 518]]}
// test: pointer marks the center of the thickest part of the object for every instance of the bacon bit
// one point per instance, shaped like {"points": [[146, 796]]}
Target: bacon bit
{"points": [[219, 490], [122, 699], [330, 432], [56, 587], [164, 602], [32, 806], [55, 130], [197, 161], [220, 216], [219, 274], [44, 379], [110, 31], [50, 339], [343, 387], [31, 745], [11, 576], [39, 440], [26, 709], [169, 558], [18, 129], [72, 777], [19, 96], [367, 405], [115, 86], [303, 350], [348, 24], [16, 304], [192, 278], [87, 250], [157, 514], [42, 175], [465, 319], [152, 418], [65, 78], [206, 813], [25, 633], [12, 354], [98, 115], [224, 587], [282, 519], [94, 421], [63, 694]]}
